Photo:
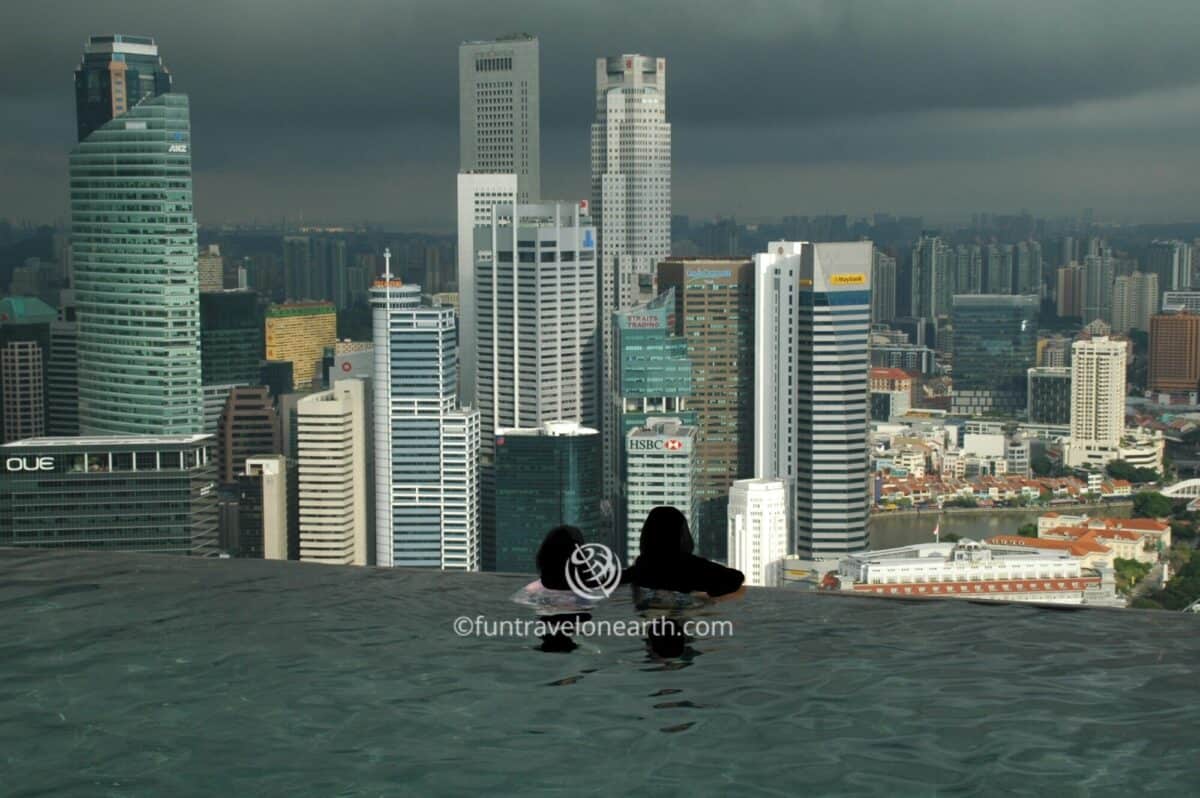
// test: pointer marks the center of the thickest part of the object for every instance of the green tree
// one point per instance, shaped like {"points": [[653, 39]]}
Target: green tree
{"points": [[1144, 603], [1120, 469], [1041, 465], [1151, 504], [1028, 530]]}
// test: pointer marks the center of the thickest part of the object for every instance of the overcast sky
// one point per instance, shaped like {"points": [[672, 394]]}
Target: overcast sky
{"points": [[347, 111]]}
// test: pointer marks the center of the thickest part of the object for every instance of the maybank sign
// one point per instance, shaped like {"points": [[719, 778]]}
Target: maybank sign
{"points": [[848, 279]]}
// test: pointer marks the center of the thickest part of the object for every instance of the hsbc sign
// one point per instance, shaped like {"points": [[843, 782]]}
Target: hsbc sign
{"points": [[29, 463], [669, 445]]}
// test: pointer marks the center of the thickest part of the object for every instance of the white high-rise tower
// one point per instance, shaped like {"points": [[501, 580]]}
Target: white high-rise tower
{"points": [[1097, 401], [758, 530], [631, 203], [426, 448]]}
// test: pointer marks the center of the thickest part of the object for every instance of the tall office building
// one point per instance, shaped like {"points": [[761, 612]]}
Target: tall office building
{"points": [[1027, 268], [631, 201], [263, 508], [661, 467], [62, 370], [968, 272], [231, 337], [299, 332], [1069, 296], [714, 314], [545, 476], [812, 316], [1134, 301], [883, 292], [654, 378], [298, 279], [932, 278], [1172, 262], [478, 194], [1098, 273], [998, 268], [116, 73], [1097, 402], [211, 266], [427, 489], [1174, 353], [25, 330], [143, 493], [758, 530], [995, 345], [332, 444], [133, 243], [1048, 398], [247, 427], [499, 111]]}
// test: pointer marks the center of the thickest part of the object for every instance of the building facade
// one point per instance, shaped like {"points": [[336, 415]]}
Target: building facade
{"points": [[145, 493], [811, 394], [263, 508], [1097, 402], [883, 287], [427, 483], [758, 530], [1134, 301], [247, 427], [116, 73], [661, 468], [1049, 395], [298, 332], [62, 370], [231, 337], [499, 111], [133, 245], [332, 487], [714, 314], [1174, 353], [545, 477], [995, 345]]}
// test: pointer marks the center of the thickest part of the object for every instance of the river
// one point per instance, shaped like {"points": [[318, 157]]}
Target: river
{"points": [[903, 529]]}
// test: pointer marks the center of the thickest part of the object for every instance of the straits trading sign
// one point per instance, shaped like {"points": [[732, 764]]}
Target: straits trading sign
{"points": [[848, 279], [29, 463]]}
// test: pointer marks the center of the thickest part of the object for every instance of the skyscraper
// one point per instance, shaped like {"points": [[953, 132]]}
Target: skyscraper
{"points": [[661, 470], [133, 242], [1070, 292], [332, 448], [545, 476], [62, 370], [211, 266], [812, 317], [1174, 353], [631, 201], [1049, 395], [1134, 301], [1028, 267], [758, 530], [995, 345], [883, 288], [1098, 273], [998, 268], [116, 73], [499, 111], [247, 427], [299, 332], [263, 508], [427, 496], [932, 277], [478, 193], [25, 330], [968, 271], [1097, 402], [714, 314], [231, 337], [1172, 262]]}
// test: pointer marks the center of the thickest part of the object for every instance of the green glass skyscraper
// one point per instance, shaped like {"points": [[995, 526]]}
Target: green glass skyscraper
{"points": [[136, 282]]}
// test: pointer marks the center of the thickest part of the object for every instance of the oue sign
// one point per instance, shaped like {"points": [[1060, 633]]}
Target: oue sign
{"points": [[29, 464]]}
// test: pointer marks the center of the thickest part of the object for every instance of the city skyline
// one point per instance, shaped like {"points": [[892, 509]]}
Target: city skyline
{"points": [[861, 110]]}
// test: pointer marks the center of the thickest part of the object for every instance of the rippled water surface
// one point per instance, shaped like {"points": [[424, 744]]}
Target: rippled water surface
{"points": [[141, 675]]}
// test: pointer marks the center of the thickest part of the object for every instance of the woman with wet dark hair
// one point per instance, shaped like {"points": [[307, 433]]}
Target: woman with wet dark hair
{"points": [[666, 562], [550, 595]]}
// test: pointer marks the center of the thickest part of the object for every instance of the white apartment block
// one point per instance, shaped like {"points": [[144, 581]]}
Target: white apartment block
{"points": [[1097, 401], [758, 530]]}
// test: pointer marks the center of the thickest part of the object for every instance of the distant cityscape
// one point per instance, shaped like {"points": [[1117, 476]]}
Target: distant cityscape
{"points": [[362, 396]]}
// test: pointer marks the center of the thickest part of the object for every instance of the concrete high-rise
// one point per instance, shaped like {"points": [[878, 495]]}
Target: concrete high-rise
{"points": [[714, 314], [758, 530], [1172, 262], [1097, 402], [995, 345], [883, 290], [631, 200], [332, 485], [1069, 296], [1134, 301], [231, 337], [812, 317], [1098, 273], [62, 370], [968, 272], [133, 245], [545, 476], [1049, 395], [25, 335], [1175, 301], [247, 427], [1027, 268], [1174, 353], [499, 111], [478, 194], [427, 490], [117, 72], [299, 332], [211, 266], [263, 508], [998, 268], [661, 470], [932, 278]]}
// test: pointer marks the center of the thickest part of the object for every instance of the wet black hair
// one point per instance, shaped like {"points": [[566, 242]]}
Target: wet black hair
{"points": [[665, 535], [553, 554]]}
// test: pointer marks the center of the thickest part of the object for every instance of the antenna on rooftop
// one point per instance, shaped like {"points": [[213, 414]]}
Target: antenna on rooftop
{"points": [[387, 263]]}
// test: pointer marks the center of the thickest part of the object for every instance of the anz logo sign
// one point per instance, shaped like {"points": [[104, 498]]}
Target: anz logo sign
{"points": [[29, 464]]}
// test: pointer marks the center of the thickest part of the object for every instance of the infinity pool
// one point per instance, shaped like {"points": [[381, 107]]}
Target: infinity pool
{"points": [[142, 675]]}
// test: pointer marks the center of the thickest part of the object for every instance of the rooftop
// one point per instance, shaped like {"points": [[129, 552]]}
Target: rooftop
{"points": [[153, 675], [74, 442]]}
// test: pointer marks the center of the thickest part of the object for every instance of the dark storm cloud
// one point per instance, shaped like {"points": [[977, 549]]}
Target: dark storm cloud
{"points": [[348, 110]]}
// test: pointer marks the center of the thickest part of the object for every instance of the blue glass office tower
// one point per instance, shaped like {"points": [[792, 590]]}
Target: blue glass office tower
{"points": [[116, 73], [995, 345], [133, 241]]}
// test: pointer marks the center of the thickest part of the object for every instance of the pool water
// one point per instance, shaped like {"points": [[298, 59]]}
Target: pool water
{"points": [[151, 675]]}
